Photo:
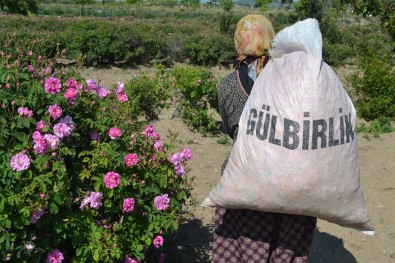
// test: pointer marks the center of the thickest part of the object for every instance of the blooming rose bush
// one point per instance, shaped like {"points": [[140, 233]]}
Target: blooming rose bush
{"points": [[79, 179]]}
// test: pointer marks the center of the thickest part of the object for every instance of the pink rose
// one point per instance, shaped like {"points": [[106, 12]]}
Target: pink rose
{"points": [[162, 202], [20, 162], [158, 242], [71, 94], [52, 85], [128, 205], [112, 180], [114, 133], [55, 111], [131, 159], [55, 256]]}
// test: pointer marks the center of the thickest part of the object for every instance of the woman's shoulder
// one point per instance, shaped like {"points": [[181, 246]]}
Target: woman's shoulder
{"points": [[229, 87], [231, 78]]}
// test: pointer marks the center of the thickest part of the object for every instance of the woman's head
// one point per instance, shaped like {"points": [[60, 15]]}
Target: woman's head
{"points": [[253, 36]]}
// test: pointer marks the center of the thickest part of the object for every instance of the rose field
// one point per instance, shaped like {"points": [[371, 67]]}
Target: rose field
{"points": [[110, 136]]}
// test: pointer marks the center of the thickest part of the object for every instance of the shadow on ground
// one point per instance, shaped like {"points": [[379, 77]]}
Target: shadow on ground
{"points": [[191, 244], [330, 249]]}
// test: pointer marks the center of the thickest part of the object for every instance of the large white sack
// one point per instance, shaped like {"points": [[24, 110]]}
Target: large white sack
{"points": [[296, 150]]}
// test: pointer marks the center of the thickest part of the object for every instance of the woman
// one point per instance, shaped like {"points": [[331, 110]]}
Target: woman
{"points": [[247, 235]]}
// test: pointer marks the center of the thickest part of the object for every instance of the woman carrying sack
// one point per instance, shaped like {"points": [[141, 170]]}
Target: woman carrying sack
{"points": [[242, 235]]}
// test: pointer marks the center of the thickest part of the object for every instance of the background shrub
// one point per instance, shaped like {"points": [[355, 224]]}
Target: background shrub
{"points": [[374, 85], [196, 93]]}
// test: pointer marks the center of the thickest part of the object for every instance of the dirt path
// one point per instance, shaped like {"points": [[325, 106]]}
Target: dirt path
{"points": [[332, 244]]}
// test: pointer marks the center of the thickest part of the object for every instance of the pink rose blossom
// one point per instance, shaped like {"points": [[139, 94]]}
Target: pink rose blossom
{"points": [[72, 83], [112, 180], [93, 200], [40, 143], [42, 195], [55, 256], [68, 121], [55, 111], [148, 130], [90, 85], [187, 153], [114, 133], [62, 130], [48, 71], [122, 97], [52, 85], [162, 202], [8, 85], [131, 159], [179, 169], [103, 92], [158, 145], [52, 140], [30, 68], [120, 87], [20, 162], [40, 125], [158, 242], [30, 53], [71, 94], [155, 136], [176, 158], [128, 205], [130, 260], [36, 215], [24, 111]]}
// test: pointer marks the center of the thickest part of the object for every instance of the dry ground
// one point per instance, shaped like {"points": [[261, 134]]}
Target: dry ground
{"points": [[332, 244]]}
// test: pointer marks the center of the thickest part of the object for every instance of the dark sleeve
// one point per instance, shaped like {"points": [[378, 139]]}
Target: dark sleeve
{"points": [[231, 100], [223, 104]]}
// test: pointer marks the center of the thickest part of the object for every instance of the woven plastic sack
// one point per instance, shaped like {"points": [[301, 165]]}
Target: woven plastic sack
{"points": [[296, 151]]}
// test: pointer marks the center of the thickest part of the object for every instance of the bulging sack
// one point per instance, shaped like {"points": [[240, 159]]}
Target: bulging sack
{"points": [[296, 151]]}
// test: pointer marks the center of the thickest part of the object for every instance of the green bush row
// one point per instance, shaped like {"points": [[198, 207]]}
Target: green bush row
{"points": [[103, 42]]}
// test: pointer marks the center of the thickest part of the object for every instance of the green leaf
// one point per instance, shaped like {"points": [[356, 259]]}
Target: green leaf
{"points": [[96, 255], [53, 208]]}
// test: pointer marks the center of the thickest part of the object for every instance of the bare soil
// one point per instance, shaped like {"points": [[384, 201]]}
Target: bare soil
{"points": [[332, 243]]}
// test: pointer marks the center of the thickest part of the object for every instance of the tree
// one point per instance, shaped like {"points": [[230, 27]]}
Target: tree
{"points": [[227, 5], [19, 6], [309, 9], [262, 4], [384, 9]]}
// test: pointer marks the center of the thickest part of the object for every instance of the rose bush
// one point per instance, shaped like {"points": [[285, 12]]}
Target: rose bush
{"points": [[80, 180]]}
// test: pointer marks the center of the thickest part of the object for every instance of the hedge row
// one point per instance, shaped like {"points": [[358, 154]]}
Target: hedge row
{"points": [[101, 42]]}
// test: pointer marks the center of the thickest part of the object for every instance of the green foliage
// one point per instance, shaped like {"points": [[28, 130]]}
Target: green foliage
{"points": [[148, 94], [209, 50], [376, 127], [262, 4], [374, 85], [225, 23], [224, 140], [226, 5], [384, 9], [338, 46], [22, 7], [196, 94], [43, 205], [309, 9], [101, 42]]}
